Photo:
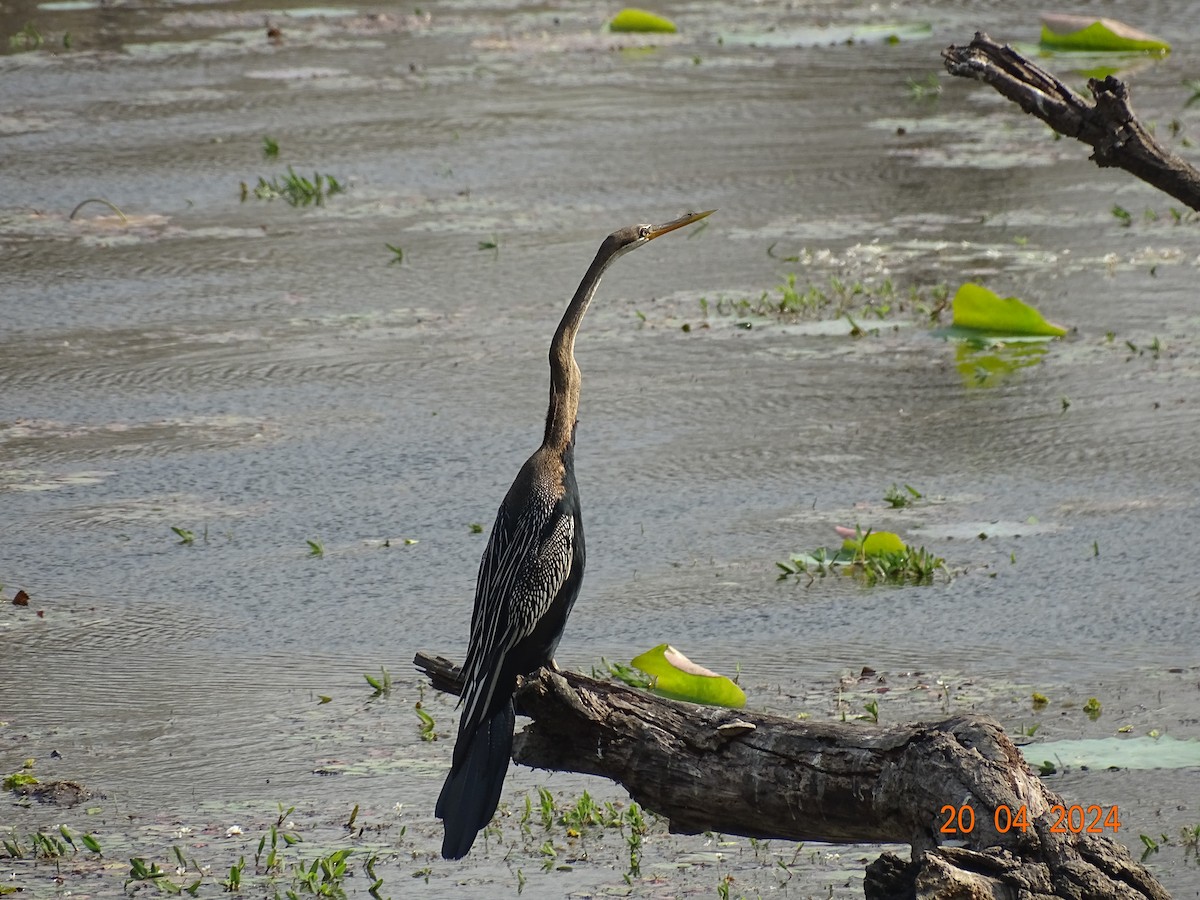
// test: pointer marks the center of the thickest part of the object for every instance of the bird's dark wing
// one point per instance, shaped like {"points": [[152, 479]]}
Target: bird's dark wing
{"points": [[527, 561]]}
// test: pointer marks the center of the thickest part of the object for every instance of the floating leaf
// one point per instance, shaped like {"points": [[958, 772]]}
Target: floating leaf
{"points": [[676, 676], [630, 19], [984, 318], [876, 543], [1065, 32]]}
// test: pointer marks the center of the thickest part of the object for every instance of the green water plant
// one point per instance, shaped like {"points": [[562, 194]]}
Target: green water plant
{"points": [[1097, 34], [28, 38], [382, 686], [295, 188], [427, 723], [631, 19], [674, 675], [872, 556], [983, 318], [898, 499]]}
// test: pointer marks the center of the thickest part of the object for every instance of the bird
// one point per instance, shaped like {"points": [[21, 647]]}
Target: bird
{"points": [[529, 575]]}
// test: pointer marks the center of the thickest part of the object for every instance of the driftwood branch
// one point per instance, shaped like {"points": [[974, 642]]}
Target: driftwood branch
{"points": [[1109, 125], [741, 772]]}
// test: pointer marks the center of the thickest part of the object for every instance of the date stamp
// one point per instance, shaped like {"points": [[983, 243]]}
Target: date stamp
{"points": [[1074, 819]]}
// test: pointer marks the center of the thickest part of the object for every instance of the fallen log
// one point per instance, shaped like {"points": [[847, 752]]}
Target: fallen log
{"points": [[959, 780], [1109, 125]]}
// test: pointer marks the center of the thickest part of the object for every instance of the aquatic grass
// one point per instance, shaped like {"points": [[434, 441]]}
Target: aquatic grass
{"points": [[493, 245], [898, 499], [427, 724], [295, 188], [185, 535], [397, 254], [887, 562], [28, 38], [629, 675], [21, 777], [323, 878], [835, 298], [270, 148], [382, 685], [315, 548], [927, 88]]}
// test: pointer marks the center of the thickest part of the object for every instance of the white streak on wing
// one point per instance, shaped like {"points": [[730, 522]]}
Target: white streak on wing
{"points": [[519, 576]]}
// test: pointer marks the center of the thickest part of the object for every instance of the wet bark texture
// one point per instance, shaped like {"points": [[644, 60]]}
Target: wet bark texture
{"points": [[1108, 125], [764, 776]]}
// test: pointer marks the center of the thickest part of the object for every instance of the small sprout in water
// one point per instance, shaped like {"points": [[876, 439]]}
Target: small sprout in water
{"points": [[270, 148], [1039, 700], [28, 38], [322, 699], [898, 499], [1031, 730], [925, 89], [1095, 548], [382, 684], [641, 315], [493, 245], [1066, 403], [872, 708], [315, 548], [476, 528], [410, 541], [1047, 768], [1121, 213], [1092, 708], [296, 189], [397, 254], [185, 536], [427, 724]]}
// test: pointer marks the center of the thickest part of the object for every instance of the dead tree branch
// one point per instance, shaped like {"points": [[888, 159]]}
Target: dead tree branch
{"points": [[741, 772], [1109, 125]]}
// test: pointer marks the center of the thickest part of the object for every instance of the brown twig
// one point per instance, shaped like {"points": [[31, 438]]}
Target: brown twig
{"points": [[1109, 125]]}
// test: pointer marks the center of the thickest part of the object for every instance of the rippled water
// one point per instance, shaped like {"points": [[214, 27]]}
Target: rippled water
{"points": [[262, 376]]}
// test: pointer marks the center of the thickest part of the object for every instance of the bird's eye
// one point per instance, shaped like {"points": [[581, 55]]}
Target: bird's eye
{"points": [[644, 231]]}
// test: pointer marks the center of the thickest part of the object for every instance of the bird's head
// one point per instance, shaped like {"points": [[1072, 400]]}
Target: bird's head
{"points": [[625, 239]]}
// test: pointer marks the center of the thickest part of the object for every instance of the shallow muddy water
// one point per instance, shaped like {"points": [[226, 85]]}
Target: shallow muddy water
{"points": [[265, 376]]}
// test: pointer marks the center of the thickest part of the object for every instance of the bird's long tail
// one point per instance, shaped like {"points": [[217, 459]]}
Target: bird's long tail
{"points": [[472, 790]]}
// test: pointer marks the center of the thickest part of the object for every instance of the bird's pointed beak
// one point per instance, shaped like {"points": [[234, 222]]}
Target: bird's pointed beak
{"points": [[660, 230]]}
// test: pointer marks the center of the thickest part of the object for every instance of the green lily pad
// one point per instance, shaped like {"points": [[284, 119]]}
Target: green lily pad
{"points": [[1065, 32], [630, 19], [982, 317], [876, 543], [674, 675]]}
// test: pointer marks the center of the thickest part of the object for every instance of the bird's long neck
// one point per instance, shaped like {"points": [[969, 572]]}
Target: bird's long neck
{"points": [[564, 371]]}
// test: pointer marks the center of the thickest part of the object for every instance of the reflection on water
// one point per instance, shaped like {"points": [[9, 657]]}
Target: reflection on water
{"points": [[985, 367], [262, 376]]}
